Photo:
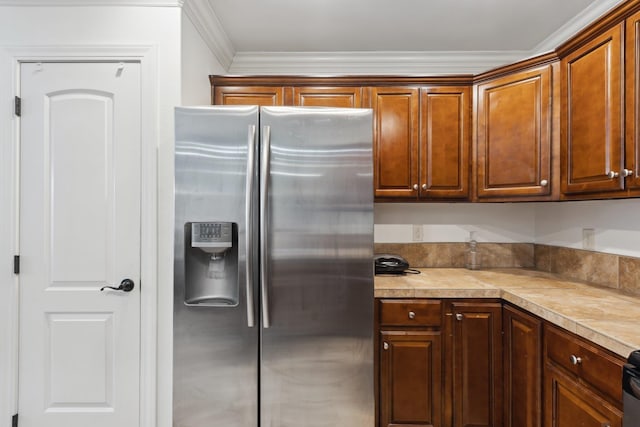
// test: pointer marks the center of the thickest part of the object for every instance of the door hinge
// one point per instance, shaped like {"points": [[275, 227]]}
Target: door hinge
{"points": [[17, 106], [14, 421], [16, 264]]}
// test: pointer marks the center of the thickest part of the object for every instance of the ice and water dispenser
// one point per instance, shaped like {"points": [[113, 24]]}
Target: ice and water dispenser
{"points": [[211, 264]]}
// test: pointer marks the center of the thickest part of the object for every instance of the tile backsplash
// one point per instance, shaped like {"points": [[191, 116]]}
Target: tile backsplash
{"points": [[598, 268], [453, 255]]}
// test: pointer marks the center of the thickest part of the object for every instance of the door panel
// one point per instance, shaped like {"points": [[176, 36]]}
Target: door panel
{"points": [[396, 113], [592, 138], [445, 138], [317, 353], [79, 231], [249, 95], [215, 356], [514, 135], [342, 97]]}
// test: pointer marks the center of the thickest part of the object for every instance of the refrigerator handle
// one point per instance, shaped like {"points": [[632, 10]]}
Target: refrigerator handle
{"points": [[265, 164], [248, 215]]}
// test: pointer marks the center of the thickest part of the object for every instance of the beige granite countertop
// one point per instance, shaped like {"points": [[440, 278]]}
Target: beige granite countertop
{"points": [[605, 316]]}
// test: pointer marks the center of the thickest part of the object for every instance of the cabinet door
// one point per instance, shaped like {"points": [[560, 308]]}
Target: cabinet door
{"points": [[444, 142], [632, 104], [569, 404], [591, 130], [477, 367], [514, 135], [522, 368], [410, 379], [344, 97], [395, 141], [249, 95]]}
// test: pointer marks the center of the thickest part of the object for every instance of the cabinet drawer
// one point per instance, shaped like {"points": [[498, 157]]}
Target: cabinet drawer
{"points": [[596, 367], [410, 312]]}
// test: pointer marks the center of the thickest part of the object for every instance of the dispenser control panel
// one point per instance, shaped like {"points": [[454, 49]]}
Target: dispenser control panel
{"points": [[211, 235]]}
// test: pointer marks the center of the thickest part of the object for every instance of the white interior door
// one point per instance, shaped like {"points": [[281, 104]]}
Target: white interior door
{"points": [[79, 358]]}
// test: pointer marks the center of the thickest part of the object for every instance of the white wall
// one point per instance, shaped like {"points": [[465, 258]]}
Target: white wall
{"points": [[158, 27], [198, 62], [452, 222], [616, 224]]}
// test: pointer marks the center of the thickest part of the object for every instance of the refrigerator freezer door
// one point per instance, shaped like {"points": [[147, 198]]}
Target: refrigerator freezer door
{"points": [[215, 349], [317, 354]]}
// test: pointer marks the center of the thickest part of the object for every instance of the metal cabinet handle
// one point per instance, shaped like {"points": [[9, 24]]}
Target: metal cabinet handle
{"points": [[412, 315], [126, 285], [424, 186], [385, 345], [544, 183], [613, 174], [626, 172], [459, 316], [248, 214], [415, 186], [265, 164], [575, 360]]}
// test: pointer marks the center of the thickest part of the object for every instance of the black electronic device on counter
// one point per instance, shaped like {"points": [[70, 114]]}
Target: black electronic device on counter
{"points": [[392, 264]]}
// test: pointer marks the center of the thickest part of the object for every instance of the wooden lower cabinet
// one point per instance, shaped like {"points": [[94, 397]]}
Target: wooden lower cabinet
{"points": [[522, 358], [475, 354], [570, 404], [410, 378]]}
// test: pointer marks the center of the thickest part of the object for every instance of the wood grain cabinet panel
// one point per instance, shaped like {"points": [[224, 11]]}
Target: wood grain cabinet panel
{"points": [[342, 97], [522, 358], [514, 135], [631, 170], [591, 120], [445, 118], [569, 404], [477, 364], [249, 95], [396, 113], [410, 378]]}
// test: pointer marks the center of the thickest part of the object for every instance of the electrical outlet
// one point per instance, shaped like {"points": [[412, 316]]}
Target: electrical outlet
{"points": [[588, 239], [416, 233]]}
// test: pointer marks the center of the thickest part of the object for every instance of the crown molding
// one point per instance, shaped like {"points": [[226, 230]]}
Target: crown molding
{"points": [[592, 13], [208, 25], [83, 3], [382, 63]]}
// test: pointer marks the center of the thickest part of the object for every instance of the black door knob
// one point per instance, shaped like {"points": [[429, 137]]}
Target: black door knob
{"points": [[126, 285]]}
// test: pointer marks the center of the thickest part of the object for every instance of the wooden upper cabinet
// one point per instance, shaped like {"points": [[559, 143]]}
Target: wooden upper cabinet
{"points": [[249, 95], [343, 97], [445, 118], [591, 121], [514, 140], [632, 139], [396, 114]]}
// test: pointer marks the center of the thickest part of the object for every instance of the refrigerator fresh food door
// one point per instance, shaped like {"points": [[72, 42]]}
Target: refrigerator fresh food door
{"points": [[215, 378], [317, 311]]}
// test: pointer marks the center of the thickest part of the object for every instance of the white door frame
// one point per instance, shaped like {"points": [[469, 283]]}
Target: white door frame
{"points": [[10, 59]]}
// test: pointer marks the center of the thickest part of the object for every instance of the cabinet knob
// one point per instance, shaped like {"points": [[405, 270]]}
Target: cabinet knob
{"points": [[424, 186], [415, 186], [412, 315], [459, 316], [544, 183], [626, 172], [385, 345], [575, 360], [613, 174]]}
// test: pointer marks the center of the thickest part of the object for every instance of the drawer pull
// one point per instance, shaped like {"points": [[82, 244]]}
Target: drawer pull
{"points": [[385, 346], [459, 316], [412, 315], [575, 360]]}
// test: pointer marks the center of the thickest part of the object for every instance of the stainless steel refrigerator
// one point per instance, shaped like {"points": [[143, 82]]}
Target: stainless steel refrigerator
{"points": [[273, 299]]}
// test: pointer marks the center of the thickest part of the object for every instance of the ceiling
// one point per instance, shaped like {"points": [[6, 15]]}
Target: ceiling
{"points": [[277, 29]]}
